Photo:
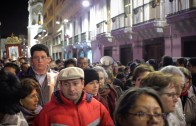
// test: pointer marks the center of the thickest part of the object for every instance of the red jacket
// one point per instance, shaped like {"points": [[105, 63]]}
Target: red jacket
{"points": [[61, 111]]}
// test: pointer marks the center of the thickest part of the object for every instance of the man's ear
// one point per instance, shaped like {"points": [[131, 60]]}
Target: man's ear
{"points": [[20, 101]]}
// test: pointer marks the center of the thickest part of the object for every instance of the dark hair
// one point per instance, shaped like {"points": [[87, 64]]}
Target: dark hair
{"points": [[120, 75], [153, 63], [182, 61], [9, 93], [167, 60], [69, 61], [39, 47], [57, 61], [192, 61], [128, 100], [28, 84], [12, 65]]}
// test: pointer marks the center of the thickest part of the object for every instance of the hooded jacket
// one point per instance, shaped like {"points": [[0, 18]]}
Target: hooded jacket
{"points": [[63, 112]]}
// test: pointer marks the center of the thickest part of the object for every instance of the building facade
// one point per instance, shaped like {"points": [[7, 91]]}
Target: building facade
{"points": [[123, 29]]}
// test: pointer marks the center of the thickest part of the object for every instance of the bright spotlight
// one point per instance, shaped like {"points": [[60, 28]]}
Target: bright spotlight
{"points": [[86, 3]]}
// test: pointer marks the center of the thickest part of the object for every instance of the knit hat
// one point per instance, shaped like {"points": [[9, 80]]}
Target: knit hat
{"points": [[90, 75], [71, 73]]}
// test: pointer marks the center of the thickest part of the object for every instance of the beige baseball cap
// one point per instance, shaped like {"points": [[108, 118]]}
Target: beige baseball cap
{"points": [[71, 73]]}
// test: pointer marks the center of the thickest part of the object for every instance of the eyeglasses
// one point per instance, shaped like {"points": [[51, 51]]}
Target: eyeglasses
{"points": [[145, 116], [40, 58], [173, 95]]}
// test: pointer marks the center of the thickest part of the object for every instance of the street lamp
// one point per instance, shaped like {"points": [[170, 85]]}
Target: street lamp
{"points": [[86, 3]]}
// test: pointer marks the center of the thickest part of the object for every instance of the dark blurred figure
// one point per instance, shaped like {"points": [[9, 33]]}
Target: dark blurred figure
{"points": [[166, 61], [1, 64], [12, 68], [192, 68], [121, 76], [153, 63], [132, 66], [23, 69], [59, 64], [70, 63], [182, 62], [10, 114]]}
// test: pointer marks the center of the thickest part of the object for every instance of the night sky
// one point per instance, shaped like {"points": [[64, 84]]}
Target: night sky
{"points": [[13, 17]]}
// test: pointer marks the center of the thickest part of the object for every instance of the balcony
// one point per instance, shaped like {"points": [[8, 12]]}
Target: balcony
{"points": [[118, 21], [85, 36], [181, 15], [102, 27]]}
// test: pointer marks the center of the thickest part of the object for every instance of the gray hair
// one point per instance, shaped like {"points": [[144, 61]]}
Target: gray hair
{"points": [[101, 69], [173, 70]]}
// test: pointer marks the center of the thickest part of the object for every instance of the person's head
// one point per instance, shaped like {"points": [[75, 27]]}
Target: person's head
{"points": [[58, 62], [91, 81], [178, 77], [188, 79], [102, 75], [40, 58], [70, 63], [11, 67], [182, 62], [110, 78], [29, 94], [24, 66], [52, 64], [153, 63], [71, 81], [139, 72], [162, 83], [9, 93], [121, 76], [22, 60], [139, 107], [192, 65], [166, 61], [82, 62]]}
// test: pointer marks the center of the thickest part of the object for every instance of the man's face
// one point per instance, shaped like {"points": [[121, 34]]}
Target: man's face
{"points": [[82, 63], [40, 61], [72, 89]]}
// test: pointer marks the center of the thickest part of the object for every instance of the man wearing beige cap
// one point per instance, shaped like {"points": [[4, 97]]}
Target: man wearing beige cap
{"points": [[71, 106]]}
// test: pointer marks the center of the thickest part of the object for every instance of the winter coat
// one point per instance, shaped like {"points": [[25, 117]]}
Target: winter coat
{"points": [[190, 108], [63, 112], [13, 120], [48, 85]]}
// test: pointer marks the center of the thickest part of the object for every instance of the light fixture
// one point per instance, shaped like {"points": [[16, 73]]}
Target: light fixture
{"points": [[85, 3], [65, 20], [57, 22]]}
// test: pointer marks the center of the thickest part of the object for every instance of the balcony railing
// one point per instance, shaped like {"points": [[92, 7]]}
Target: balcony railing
{"points": [[102, 27], [118, 21], [85, 36]]}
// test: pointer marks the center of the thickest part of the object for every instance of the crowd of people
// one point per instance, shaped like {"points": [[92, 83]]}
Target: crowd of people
{"points": [[42, 92]]}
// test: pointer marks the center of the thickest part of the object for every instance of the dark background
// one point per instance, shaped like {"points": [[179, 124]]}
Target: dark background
{"points": [[13, 17]]}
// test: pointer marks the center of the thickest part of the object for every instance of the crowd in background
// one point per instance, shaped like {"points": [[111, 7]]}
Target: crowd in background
{"points": [[41, 92]]}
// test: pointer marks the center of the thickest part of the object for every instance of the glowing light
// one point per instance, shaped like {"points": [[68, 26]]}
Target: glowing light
{"points": [[86, 3]]}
